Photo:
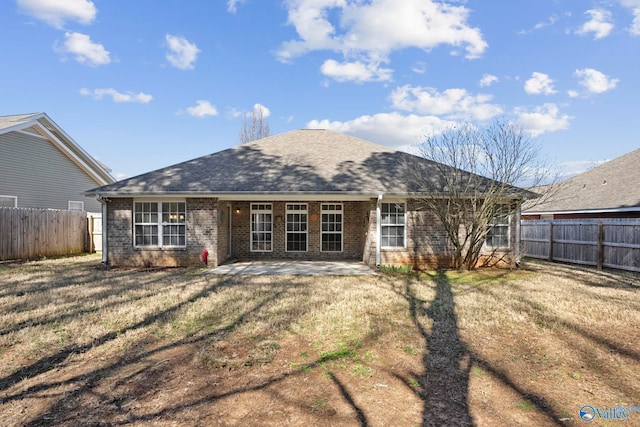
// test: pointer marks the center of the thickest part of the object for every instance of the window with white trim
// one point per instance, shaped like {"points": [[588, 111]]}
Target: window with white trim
{"points": [[498, 230], [331, 231], [75, 206], [297, 227], [159, 224], [8, 201], [392, 223], [261, 227]]}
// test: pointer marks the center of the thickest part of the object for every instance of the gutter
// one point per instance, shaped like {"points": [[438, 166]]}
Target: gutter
{"points": [[585, 211]]}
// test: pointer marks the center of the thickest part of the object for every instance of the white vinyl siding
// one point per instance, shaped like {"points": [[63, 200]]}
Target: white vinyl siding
{"points": [[160, 224], [297, 237], [261, 227], [393, 225], [40, 175], [331, 227]]}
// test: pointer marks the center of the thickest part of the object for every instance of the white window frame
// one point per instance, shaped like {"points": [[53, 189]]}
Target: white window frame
{"points": [[395, 224], [301, 209], [325, 209], [257, 211], [73, 205], [168, 219], [15, 200], [502, 212]]}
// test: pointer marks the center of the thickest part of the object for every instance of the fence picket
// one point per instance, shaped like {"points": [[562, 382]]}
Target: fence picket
{"points": [[598, 242], [33, 233]]}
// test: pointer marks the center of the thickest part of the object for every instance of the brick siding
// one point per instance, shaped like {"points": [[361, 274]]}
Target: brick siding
{"points": [[210, 223]]}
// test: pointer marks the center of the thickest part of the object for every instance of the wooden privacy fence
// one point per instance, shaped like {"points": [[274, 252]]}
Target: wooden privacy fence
{"points": [[601, 243], [34, 233]]}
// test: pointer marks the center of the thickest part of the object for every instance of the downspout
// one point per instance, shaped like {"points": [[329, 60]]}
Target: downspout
{"points": [[378, 228], [103, 202], [518, 219]]}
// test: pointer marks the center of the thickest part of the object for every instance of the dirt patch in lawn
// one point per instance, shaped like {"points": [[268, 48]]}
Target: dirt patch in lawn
{"points": [[81, 344]]}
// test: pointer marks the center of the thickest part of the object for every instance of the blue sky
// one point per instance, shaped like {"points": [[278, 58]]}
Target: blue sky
{"points": [[144, 84]]}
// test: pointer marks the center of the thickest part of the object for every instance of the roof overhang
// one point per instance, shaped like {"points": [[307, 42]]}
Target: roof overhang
{"points": [[49, 130], [274, 196], [584, 211]]}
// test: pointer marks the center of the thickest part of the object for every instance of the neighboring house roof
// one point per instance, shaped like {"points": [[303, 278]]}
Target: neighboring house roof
{"points": [[42, 125], [610, 187], [290, 164]]}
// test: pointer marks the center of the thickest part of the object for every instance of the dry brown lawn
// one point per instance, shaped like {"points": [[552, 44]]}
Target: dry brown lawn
{"points": [[85, 345]]}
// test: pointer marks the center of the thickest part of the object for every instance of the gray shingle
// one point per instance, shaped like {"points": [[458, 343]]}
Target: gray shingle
{"points": [[300, 161], [612, 185]]}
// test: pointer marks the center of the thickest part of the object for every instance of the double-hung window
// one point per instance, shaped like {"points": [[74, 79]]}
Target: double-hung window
{"points": [[498, 230], [392, 223], [261, 227], [160, 224], [331, 232], [296, 227]]}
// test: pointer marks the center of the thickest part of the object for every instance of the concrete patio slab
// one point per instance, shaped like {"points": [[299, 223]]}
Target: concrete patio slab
{"points": [[299, 268]]}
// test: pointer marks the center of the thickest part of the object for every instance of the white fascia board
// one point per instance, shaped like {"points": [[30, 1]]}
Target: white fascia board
{"points": [[26, 124], [253, 197], [77, 160], [584, 211]]}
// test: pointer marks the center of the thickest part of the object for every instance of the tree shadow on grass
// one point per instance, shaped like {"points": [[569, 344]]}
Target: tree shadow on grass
{"points": [[447, 362], [444, 385]]}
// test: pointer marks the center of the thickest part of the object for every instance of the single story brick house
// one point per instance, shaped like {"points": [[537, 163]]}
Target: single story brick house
{"points": [[304, 194]]}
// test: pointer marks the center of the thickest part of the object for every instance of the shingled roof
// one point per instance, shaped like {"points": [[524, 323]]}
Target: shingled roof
{"points": [[297, 162], [612, 186]]}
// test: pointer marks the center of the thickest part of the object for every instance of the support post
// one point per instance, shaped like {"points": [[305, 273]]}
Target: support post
{"points": [[600, 244]]}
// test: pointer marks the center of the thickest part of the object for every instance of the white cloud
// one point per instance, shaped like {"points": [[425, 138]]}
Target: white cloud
{"points": [[367, 32], [546, 118], [600, 24], [451, 103], [98, 94], [488, 80], [182, 53], [84, 50], [390, 129], [355, 71], [595, 81], [261, 109], [57, 12], [634, 8], [232, 5], [635, 26], [202, 109], [419, 68], [539, 83]]}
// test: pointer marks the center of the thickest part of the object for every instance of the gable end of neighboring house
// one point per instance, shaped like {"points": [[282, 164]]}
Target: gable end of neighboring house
{"points": [[608, 191], [42, 167]]}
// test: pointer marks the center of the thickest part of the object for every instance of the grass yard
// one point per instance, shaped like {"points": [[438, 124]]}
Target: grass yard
{"points": [[85, 345]]}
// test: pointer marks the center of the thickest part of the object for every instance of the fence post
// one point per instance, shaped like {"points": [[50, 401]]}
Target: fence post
{"points": [[550, 240], [600, 244]]}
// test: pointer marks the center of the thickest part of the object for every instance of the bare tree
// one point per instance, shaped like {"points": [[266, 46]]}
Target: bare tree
{"points": [[476, 172], [255, 125]]}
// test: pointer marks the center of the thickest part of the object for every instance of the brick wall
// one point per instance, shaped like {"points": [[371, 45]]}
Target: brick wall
{"points": [[209, 225], [427, 244], [202, 229], [355, 221]]}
